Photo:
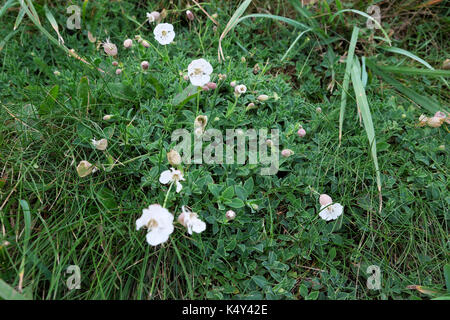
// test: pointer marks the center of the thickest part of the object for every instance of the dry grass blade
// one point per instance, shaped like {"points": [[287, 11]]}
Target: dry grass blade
{"points": [[205, 12]]}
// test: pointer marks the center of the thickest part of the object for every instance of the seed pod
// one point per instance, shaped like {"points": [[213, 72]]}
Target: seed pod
{"points": [[174, 158]]}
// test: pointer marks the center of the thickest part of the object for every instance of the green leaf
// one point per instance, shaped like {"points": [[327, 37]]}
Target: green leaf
{"points": [[260, 282], [447, 276], [187, 94], [228, 193], [48, 104], [248, 186], [215, 189], [8, 293], [106, 197], [235, 203]]}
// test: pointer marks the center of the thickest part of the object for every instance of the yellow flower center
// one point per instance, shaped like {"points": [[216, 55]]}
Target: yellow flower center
{"points": [[164, 33], [152, 224], [198, 71]]}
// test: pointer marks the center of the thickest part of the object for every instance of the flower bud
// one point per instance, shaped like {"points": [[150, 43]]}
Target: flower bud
{"points": [[215, 15], [301, 132], [243, 59], [118, 71], [287, 153], [211, 85], [190, 15], [435, 122], [174, 158], [442, 147], [186, 77], [318, 109], [128, 43], [107, 117], [233, 84], [263, 97], [56, 73], [109, 48], [325, 200], [222, 76], [230, 215], [446, 64], [115, 63], [145, 43], [145, 65], [250, 106], [205, 88]]}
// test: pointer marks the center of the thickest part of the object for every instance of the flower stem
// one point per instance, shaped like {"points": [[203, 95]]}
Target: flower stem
{"points": [[167, 194]]}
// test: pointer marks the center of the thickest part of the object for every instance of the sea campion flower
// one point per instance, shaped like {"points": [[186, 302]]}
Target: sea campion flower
{"points": [[164, 33], [109, 48], [101, 144], [199, 72], [172, 176], [328, 209], [159, 223], [423, 119], [240, 89], [435, 122], [128, 43], [191, 221], [153, 16]]}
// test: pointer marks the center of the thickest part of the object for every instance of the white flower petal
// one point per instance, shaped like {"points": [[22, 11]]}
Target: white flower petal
{"points": [[179, 186], [166, 177], [156, 237], [198, 226], [143, 220]]}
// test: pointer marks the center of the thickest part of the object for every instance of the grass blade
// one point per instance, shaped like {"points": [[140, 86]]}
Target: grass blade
{"points": [[415, 71], [293, 43], [351, 52], [231, 24], [54, 24], [361, 100], [427, 102]]}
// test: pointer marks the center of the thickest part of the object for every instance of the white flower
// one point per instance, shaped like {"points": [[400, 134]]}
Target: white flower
{"points": [[331, 211], [164, 33], [109, 47], [158, 221], [172, 175], [191, 221], [101, 144], [199, 72], [240, 89], [150, 17]]}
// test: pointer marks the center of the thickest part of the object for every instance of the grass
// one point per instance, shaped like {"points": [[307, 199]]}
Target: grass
{"points": [[277, 247]]}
